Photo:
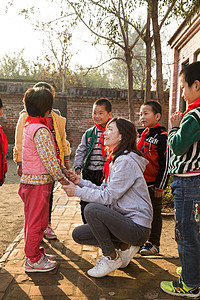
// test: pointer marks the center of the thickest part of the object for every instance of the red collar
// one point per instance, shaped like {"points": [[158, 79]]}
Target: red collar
{"points": [[192, 106], [33, 120]]}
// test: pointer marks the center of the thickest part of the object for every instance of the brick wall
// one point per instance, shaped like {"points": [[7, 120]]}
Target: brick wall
{"points": [[185, 43], [79, 109], [76, 105]]}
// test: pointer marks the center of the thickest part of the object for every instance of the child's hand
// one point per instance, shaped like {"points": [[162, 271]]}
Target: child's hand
{"points": [[73, 177], [175, 119], [69, 189], [65, 172], [19, 170], [78, 172], [64, 181], [158, 193], [66, 164]]}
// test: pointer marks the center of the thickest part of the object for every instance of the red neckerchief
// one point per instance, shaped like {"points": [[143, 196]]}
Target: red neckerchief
{"points": [[106, 169], [34, 120], [193, 105], [101, 139], [143, 135]]}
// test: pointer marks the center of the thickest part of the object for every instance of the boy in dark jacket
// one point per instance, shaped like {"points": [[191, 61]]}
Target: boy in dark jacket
{"points": [[90, 154], [153, 145]]}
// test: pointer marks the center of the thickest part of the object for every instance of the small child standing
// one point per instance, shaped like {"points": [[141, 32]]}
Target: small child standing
{"points": [[153, 145], [91, 154], [56, 124], [40, 167], [184, 165], [3, 150]]}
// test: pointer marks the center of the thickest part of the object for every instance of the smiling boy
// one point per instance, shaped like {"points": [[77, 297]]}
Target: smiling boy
{"points": [[91, 154], [184, 165], [153, 145]]}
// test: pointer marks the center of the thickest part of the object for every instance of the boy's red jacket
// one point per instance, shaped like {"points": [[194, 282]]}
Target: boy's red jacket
{"points": [[3, 151], [155, 150]]}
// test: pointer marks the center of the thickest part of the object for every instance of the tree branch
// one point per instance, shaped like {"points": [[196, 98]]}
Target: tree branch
{"points": [[96, 67], [95, 33], [167, 14]]}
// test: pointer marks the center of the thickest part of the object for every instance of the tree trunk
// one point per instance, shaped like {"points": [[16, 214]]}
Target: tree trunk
{"points": [[129, 59], [148, 40], [158, 52], [63, 83]]}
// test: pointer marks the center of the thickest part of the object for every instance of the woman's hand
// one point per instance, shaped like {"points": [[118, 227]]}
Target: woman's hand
{"points": [[73, 177], [64, 181], [175, 119], [69, 189]]}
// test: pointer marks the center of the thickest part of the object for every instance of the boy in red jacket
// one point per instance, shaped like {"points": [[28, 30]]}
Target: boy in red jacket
{"points": [[153, 145]]}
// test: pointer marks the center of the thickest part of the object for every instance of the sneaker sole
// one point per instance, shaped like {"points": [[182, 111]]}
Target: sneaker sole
{"points": [[179, 294], [50, 237], [101, 275], [39, 270], [148, 254]]}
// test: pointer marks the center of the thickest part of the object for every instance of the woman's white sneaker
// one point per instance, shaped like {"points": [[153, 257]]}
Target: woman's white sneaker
{"points": [[127, 255], [104, 266]]}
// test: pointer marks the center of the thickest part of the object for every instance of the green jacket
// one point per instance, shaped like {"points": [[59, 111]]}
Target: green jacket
{"points": [[90, 138], [84, 150], [184, 143]]}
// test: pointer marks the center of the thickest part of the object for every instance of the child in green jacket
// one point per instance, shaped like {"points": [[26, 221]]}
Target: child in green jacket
{"points": [[91, 154], [184, 165]]}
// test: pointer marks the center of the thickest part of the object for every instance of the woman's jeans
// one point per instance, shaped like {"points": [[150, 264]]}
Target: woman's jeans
{"points": [[109, 228], [186, 192]]}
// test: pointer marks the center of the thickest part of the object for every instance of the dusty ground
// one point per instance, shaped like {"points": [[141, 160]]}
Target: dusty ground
{"points": [[11, 208]]}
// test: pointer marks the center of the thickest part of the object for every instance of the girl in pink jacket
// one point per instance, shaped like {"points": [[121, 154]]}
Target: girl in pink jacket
{"points": [[40, 167]]}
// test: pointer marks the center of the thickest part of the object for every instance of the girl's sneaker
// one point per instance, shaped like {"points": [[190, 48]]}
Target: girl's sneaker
{"points": [[49, 233], [42, 265], [178, 288], [104, 266], [127, 255]]}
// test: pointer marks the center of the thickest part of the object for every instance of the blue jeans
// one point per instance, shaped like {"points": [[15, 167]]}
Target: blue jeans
{"points": [[186, 192]]}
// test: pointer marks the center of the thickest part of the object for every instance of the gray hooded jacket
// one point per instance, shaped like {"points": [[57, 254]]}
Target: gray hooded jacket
{"points": [[126, 190]]}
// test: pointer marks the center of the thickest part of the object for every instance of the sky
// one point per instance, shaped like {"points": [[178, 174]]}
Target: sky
{"points": [[17, 33]]}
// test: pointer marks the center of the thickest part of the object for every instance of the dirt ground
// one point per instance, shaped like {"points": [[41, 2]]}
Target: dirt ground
{"points": [[12, 215], [11, 208]]}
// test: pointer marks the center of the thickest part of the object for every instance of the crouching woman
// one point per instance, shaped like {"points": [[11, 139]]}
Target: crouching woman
{"points": [[119, 214]]}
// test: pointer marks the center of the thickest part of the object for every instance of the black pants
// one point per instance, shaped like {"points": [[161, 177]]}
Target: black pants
{"points": [[95, 177], [157, 219]]}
